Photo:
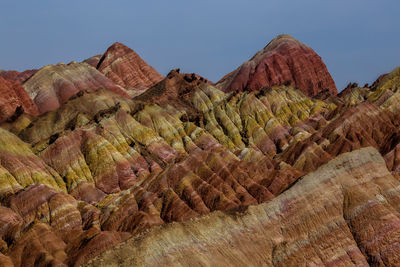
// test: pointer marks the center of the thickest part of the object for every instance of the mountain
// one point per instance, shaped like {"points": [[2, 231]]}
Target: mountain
{"points": [[183, 173], [283, 61], [332, 217], [54, 84], [17, 76], [127, 69]]}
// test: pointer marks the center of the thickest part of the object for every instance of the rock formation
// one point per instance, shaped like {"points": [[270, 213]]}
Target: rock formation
{"points": [[17, 76], [125, 67], [53, 85], [283, 61], [247, 177], [343, 214]]}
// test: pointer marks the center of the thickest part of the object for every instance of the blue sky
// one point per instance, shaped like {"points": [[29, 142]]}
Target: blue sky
{"points": [[357, 39]]}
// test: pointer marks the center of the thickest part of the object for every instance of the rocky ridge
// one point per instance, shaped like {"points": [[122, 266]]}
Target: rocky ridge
{"points": [[100, 167], [127, 69]]}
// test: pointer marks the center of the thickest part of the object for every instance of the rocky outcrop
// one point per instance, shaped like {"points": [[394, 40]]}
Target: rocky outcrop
{"points": [[127, 69], [14, 101], [55, 84], [283, 61], [345, 213]]}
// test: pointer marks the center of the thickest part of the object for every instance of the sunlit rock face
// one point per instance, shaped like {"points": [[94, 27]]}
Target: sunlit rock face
{"points": [[283, 61], [245, 177], [127, 69]]}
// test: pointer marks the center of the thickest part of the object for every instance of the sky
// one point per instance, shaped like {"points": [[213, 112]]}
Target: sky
{"points": [[357, 39]]}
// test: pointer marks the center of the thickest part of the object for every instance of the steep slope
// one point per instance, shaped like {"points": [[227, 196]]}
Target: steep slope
{"points": [[283, 61], [344, 214], [14, 101], [54, 84], [125, 67]]}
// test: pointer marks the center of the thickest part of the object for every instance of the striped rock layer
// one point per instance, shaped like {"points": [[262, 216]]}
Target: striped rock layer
{"points": [[283, 61], [55, 84], [14, 100], [176, 167], [112, 167], [339, 215], [17, 76], [127, 69]]}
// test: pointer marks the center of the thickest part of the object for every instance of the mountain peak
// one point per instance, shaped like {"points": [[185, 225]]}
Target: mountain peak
{"points": [[119, 48], [284, 60], [127, 69]]}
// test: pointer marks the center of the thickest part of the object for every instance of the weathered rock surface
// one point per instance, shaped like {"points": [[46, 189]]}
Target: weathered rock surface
{"points": [[55, 84], [17, 76], [14, 101], [346, 213], [127, 69], [98, 167], [283, 61]]}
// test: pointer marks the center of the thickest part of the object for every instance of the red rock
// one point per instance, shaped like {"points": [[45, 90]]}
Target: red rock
{"points": [[283, 61], [343, 214], [12, 97], [87, 192], [125, 67], [101, 168], [93, 61], [393, 159], [17, 76], [38, 245], [10, 225], [92, 243]]}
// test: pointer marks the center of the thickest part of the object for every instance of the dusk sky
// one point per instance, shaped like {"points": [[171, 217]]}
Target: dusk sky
{"points": [[357, 39]]}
